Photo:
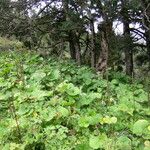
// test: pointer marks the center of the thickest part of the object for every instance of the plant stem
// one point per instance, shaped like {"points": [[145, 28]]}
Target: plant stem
{"points": [[13, 110]]}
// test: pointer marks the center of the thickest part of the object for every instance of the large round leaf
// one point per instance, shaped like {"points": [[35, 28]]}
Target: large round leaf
{"points": [[139, 126]]}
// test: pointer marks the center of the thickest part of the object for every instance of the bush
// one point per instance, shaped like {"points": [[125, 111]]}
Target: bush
{"points": [[7, 44]]}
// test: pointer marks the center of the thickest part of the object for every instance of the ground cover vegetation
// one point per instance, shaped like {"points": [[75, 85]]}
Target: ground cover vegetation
{"points": [[46, 104]]}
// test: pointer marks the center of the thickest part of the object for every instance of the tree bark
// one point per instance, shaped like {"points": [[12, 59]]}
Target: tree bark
{"points": [[146, 25], [128, 49], [74, 42], [77, 48], [72, 47], [93, 42], [147, 35], [103, 58]]}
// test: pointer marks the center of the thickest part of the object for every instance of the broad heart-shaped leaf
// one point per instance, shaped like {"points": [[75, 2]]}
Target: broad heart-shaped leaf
{"points": [[94, 119], [139, 127], [38, 75], [84, 122], [123, 143], [62, 87], [147, 145], [38, 94], [48, 114], [89, 120], [23, 109], [115, 82], [86, 99], [142, 97], [113, 119], [126, 108], [55, 74], [63, 111], [99, 141], [72, 90], [95, 142]]}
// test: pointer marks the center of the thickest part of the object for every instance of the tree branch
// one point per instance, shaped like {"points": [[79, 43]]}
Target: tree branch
{"points": [[47, 5]]}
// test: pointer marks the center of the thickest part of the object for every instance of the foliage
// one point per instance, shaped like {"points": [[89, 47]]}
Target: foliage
{"points": [[60, 106], [7, 44]]}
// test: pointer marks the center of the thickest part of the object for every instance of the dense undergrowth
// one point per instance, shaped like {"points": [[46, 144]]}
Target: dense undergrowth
{"points": [[56, 105]]}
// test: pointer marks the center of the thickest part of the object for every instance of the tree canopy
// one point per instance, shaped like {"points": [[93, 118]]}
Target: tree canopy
{"points": [[83, 29]]}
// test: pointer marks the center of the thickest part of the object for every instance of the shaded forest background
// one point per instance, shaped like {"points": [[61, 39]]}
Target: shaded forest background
{"points": [[66, 28]]}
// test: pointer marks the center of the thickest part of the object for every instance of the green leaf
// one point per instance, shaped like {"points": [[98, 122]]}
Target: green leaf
{"points": [[38, 75], [38, 94], [84, 122], [115, 82], [123, 143], [113, 119], [139, 127], [84, 146], [23, 109], [48, 114], [126, 108], [96, 142], [55, 74], [64, 112], [86, 99], [95, 95], [108, 120], [72, 90], [62, 87], [147, 145], [143, 97]]}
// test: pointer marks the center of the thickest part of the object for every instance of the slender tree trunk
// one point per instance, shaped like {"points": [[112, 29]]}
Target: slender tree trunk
{"points": [[74, 42], [128, 49], [87, 44], [93, 42], [148, 45], [110, 36], [72, 47], [61, 48], [128, 45], [77, 49], [70, 35], [146, 25], [103, 58]]}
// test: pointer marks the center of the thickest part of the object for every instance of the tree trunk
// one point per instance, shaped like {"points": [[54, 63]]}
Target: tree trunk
{"points": [[110, 36], [146, 25], [128, 49], [93, 42], [72, 47], [77, 49], [147, 33], [103, 58], [74, 42]]}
